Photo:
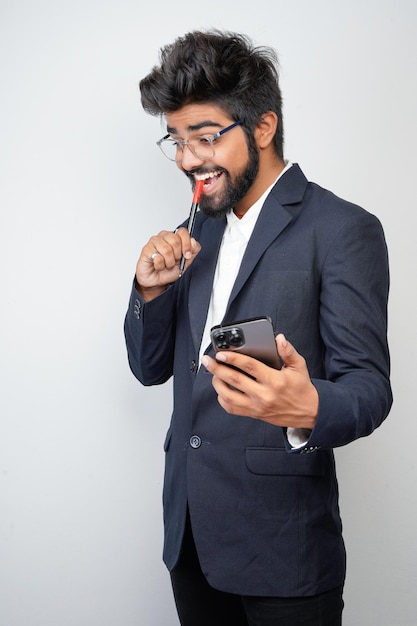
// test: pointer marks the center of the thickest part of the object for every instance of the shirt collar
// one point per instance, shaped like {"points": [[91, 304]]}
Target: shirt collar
{"points": [[247, 222]]}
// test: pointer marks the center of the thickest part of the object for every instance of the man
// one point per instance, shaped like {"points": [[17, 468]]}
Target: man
{"points": [[252, 525]]}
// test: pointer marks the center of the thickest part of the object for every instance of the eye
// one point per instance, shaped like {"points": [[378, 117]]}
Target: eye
{"points": [[205, 141]]}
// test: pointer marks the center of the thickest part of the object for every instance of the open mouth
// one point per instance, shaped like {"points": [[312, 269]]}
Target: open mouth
{"points": [[209, 178]]}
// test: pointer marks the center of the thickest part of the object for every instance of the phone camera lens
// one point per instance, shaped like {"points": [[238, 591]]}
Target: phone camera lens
{"points": [[221, 341], [236, 338]]}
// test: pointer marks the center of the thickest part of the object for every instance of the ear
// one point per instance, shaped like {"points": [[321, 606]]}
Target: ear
{"points": [[265, 129]]}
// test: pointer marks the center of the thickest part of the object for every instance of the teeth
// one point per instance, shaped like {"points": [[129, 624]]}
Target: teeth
{"points": [[206, 176]]}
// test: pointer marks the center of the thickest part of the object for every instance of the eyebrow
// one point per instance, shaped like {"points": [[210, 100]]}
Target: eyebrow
{"points": [[173, 131]]}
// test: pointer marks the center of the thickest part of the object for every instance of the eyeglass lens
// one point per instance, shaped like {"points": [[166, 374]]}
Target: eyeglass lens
{"points": [[200, 147]]}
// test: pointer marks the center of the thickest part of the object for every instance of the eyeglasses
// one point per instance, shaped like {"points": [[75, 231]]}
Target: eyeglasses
{"points": [[202, 147]]}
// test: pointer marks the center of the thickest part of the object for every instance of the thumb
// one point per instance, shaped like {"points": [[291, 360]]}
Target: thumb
{"points": [[287, 352]]}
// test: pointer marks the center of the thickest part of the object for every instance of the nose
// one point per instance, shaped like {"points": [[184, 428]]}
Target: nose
{"points": [[189, 160]]}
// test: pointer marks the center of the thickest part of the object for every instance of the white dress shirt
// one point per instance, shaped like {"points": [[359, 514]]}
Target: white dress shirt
{"points": [[232, 248]]}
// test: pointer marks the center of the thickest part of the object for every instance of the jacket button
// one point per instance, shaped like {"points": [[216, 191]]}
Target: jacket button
{"points": [[195, 441], [137, 309], [193, 366]]}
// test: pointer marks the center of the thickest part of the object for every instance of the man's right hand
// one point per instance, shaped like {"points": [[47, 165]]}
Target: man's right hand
{"points": [[159, 262]]}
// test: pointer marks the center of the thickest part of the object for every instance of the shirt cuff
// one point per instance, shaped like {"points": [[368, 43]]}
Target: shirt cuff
{"points": [[298, 437]]}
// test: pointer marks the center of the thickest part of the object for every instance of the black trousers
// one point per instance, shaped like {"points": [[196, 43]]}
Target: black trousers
{"points": [[198, 604]]}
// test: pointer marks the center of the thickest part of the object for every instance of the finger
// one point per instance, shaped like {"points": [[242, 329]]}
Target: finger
{"points": [[251, 367], [221, 372], [164, 250], [232, 399], [151, 268], [185, 240], [288, 353], [189, 246]]}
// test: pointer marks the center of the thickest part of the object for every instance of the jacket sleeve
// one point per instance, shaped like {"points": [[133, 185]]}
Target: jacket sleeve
{"points": [[355, 393], [150, 336]]}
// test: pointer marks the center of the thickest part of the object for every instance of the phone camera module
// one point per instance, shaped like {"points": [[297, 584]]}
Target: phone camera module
{"points": [[229, 339]]}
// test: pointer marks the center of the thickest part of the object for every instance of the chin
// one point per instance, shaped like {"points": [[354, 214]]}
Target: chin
{"points": [[212, 211]]}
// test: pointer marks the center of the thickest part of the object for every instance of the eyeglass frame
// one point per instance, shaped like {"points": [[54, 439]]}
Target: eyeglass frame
{"points": [[181, 143]]}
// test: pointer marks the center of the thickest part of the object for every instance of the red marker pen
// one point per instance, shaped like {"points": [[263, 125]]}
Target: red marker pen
{"points": [[194, 208]]}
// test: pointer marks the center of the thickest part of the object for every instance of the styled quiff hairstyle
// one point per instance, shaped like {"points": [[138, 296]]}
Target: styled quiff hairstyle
{"points": [[221, 68]]}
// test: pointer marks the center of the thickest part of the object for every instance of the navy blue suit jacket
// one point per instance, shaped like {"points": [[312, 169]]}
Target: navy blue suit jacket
{"points": [[265, 517]]}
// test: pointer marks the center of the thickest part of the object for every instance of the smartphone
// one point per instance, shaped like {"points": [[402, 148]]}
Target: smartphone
{"points": [[253, 337]]}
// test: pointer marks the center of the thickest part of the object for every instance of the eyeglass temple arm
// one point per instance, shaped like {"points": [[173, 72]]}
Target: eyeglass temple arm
{"points": [[225, 130], [158, 143]]}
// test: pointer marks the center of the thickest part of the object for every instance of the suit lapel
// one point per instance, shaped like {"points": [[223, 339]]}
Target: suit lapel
{"points": [[280, 208]]}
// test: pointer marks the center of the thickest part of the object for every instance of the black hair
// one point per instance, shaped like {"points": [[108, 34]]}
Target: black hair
{"points": [[216, 67]]}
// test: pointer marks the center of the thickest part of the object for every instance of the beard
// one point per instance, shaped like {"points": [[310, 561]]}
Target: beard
{"points": [[233, 191]]}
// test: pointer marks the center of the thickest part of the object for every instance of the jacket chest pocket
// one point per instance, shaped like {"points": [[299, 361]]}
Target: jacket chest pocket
{"points": [[288, 297]]}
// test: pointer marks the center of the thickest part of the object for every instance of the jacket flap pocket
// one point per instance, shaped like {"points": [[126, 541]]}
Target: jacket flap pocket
{"points": [[278, 462]]}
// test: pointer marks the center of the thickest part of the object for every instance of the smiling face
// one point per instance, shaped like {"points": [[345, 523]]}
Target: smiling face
{"points": [[231, 174]]}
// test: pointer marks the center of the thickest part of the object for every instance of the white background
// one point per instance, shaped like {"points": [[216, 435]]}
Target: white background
{"points": [[82, 188]]}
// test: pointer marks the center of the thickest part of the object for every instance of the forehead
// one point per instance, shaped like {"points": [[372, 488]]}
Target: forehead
{"points": [[193, 117]]}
